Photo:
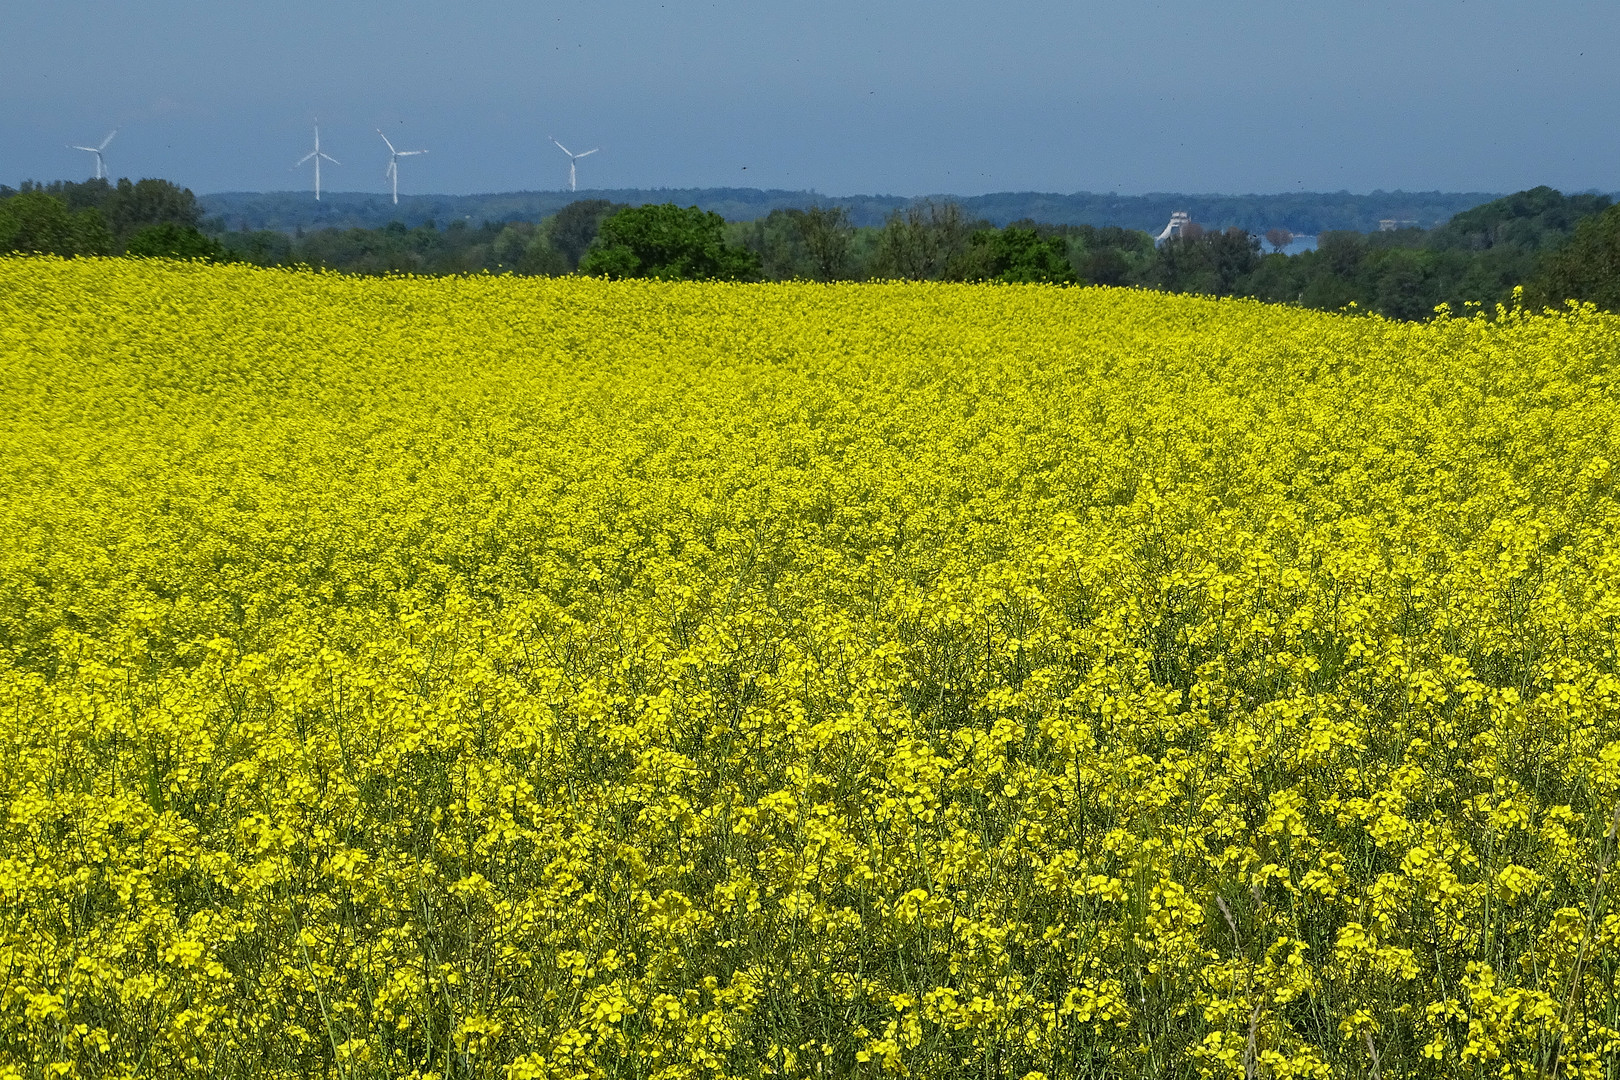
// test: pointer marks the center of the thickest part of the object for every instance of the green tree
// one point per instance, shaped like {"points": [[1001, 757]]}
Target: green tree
{"points": [[511, 243], [1105, 266], [1341, 252], [1208, 262], [1330, 292], [172, 241], [574, 227], [1587, 267], [1539, 219], [1106, 255], [665, 241], [778, 241], [927, 242], [1277, 278], [131, 207], [828, 239], [1021, 255], [38, 223], [522, 247], [1403, 285], [79, 195], [262, 247]]}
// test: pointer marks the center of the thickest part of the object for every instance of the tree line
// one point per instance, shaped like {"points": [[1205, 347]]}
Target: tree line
{"points": [[1554, 246], [1309, 212], [98, 217], [1548, 243]]}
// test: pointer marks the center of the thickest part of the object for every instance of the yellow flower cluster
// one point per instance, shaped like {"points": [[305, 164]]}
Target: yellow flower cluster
{"points": [[512, 678]]}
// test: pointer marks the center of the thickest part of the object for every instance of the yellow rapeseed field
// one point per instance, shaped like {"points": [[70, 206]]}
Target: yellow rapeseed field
{"points": [[490, 677]]}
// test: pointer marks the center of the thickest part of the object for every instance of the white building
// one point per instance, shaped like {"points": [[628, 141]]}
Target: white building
{"points": [[1179, 220]]}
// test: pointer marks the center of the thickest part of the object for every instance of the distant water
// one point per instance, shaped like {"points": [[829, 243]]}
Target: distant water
{"points": [[1301, 243]]}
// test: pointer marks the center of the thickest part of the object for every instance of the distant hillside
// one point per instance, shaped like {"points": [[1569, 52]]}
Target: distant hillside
{"points": [[1301, 212]]}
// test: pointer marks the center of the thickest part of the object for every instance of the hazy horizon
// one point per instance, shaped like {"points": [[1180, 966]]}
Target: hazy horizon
{"points": [[953, 98]]}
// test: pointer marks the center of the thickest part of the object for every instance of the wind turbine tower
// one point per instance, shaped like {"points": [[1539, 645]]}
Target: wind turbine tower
{"points": [[317, 155], [393, 163], [101, 165], [573, 157]]}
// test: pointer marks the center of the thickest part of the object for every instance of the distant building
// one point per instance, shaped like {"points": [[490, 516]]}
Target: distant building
{"points": [[1391, 224], [1179, 220]]}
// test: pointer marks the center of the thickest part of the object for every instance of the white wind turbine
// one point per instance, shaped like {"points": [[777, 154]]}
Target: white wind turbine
{"points": [[317, 155], [101, 166], [393, 163], [573, 157]]}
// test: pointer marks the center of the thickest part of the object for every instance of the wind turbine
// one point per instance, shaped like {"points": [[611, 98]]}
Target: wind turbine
{"points": [[101, 167], [393, 163], [316, 154], [573, 157]]}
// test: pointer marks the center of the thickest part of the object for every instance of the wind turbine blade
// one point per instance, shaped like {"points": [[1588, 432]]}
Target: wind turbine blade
{"points": [[589, 152], [330, 158], [108, 139], [91, 149], [563, 148], [306, 157], [411, 153], [385, 140]]}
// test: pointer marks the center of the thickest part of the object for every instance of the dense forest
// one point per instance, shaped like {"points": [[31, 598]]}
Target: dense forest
{"points": [[1553, 246]]}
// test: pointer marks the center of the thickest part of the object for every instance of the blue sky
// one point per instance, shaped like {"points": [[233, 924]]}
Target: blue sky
{"points": [[842, 97]]}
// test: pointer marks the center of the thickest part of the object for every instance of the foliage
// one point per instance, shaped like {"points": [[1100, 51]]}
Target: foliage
{"points": [[576, 225], [174, 242], [828, 241], [1472, 263], [131, 207], [494, 677], [1535, 220], [929, 241], [1588, 268], [1102, 256], [1022, 255], [1209, 263], [1303, 212], [669, 243], [35, 222], [78, 194], [93, 217], [778, 242], [262, 248], [818, 244], [1475, 260]]}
